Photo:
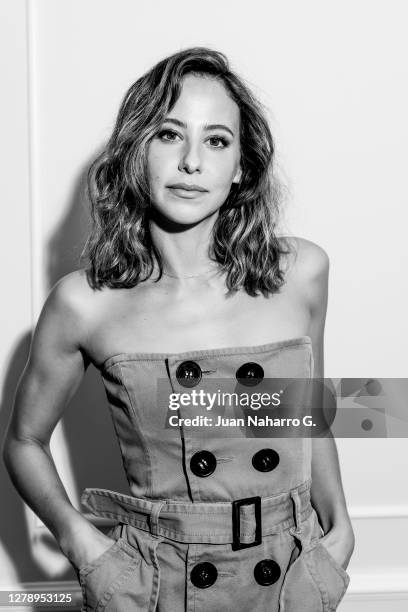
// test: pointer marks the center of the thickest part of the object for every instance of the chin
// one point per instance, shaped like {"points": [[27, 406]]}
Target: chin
{"points": [[186, 215]]}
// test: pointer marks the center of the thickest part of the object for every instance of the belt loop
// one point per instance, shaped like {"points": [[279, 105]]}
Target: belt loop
{"points": [[297, 511], [154, 517]]}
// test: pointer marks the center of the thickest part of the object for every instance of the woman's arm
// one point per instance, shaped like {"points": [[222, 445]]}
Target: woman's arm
{"points": [[327, 490], [52, 374]]}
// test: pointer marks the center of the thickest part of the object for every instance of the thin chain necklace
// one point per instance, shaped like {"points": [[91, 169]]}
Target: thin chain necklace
{"points": [[190, 276]]}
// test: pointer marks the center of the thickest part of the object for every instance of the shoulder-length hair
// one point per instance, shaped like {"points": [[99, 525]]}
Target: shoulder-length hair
{"points": [[119, 248]]}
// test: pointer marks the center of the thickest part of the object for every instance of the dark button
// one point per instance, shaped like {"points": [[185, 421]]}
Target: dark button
{"points": [[188, 374], [250, 374], [267, 572], [203, 463], [203, 575], [265, 460]]}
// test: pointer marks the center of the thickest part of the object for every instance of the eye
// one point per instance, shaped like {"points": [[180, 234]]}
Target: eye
{"points": [[218, 142], [167, 135]]}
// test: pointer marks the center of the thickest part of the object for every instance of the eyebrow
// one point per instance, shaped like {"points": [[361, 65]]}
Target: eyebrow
{"points": [[207, 127]]}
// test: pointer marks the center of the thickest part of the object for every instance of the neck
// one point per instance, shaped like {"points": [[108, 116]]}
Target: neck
{"points": [[184, 249]]}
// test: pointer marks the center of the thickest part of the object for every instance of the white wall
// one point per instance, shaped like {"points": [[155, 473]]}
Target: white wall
{"points": [[15, 314], [334, 75], [15, 246]]}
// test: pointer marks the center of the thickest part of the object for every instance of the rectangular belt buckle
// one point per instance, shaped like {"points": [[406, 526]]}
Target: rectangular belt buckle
{"points": [[236, 524]]}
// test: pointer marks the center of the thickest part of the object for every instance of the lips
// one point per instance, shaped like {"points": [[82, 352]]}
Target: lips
{"points": [[187, 187]]}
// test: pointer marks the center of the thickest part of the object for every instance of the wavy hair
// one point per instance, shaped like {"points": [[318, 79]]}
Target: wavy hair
{"points": [[119, 248]]}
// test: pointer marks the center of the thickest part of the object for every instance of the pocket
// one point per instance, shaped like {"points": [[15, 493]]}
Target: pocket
{"points": [[87, 567], [299, 589], [103, 579], [331, 578], [339, 568], [314, 582]]}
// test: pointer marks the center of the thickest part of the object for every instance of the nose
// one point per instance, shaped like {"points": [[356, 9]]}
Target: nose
{"points": [[190, 160]]}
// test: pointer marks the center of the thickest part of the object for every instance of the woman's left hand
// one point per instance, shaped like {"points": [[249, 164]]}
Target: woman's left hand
{"points": [[339, 542]]}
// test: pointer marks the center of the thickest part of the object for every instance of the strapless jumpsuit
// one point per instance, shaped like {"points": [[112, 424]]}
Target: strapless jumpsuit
{"points": [[210, 523]]}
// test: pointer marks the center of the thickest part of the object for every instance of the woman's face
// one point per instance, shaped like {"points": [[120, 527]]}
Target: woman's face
{"points": [[195, 156]]}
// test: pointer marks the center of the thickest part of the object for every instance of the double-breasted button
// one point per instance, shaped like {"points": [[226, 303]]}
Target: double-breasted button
{"points": [[250, 374], [188, 374], [267, 572], [203, 463], [265, 460], [203, 575]]}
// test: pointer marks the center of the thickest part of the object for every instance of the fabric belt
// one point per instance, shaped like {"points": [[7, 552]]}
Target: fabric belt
{"points": [[240, 522]]}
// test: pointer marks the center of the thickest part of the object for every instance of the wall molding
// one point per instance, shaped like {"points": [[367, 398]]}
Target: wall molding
{"points": [[378, 584], [378, 512]]}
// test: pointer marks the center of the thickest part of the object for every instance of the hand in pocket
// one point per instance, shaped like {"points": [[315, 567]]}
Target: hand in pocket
{"points": [[340, 545], [88, 547]]}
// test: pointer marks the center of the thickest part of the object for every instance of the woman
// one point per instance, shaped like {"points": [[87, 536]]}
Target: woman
{"points": [[183, 262]]}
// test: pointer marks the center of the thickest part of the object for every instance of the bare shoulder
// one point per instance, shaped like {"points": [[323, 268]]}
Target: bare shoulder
{"points": [[72, 292], [74, 285], [307, 269], [68, 306], [306, 258]]}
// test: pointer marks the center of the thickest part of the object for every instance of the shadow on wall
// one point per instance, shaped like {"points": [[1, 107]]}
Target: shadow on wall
{"points": [[94, 451]]}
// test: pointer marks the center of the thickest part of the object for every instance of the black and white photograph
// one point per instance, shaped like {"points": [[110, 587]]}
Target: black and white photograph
{"points": [[204, 382]]}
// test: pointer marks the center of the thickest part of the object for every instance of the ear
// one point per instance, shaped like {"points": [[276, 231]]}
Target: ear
{"points": [[238, 175]]}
